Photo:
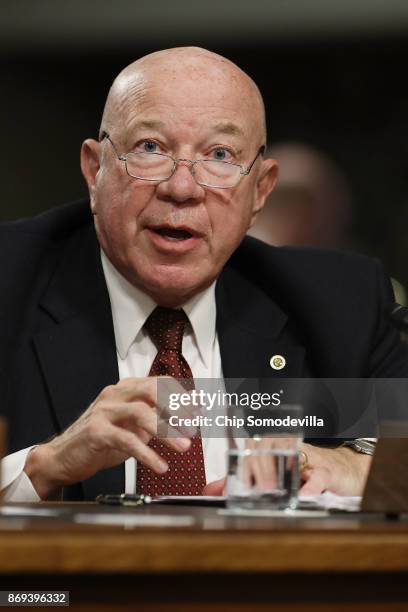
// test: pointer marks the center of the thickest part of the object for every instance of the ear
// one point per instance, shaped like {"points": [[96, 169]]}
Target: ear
{"points": [[268, 175], [90, 164]]}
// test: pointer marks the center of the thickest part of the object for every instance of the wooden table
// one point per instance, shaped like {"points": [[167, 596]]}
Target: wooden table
{"points": [[217, 563]]}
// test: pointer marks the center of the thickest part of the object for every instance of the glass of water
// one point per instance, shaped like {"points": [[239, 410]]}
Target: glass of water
{"points": [[263, 460]]}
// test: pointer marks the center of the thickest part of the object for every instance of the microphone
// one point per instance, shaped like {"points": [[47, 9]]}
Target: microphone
{"points": [[398, 315]]}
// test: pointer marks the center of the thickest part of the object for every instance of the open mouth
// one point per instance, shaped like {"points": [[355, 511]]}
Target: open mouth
{"points": [[176, 235]]}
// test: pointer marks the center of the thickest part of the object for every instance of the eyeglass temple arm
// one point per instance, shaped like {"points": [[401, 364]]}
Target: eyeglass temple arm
{"points": [[105, 136], [261, 151]]}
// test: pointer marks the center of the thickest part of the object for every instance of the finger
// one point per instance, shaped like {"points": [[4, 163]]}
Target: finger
{"points": [[176, 405], [317, 481], [128, 443], [262, 463], [271, 465], [132, 389], [245, 472], [146, 390], [135, 416], [304, 459], [174, 399], [216, 488], [184, 425]]}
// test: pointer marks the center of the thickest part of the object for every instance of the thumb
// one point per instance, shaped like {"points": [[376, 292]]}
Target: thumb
{"points": [[216, 488]]}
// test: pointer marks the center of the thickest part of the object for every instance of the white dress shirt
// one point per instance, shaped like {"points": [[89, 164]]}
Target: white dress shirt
{"points": [[135, 354]]}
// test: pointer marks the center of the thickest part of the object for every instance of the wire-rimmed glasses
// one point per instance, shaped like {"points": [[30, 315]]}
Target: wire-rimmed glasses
{"points": [[158, 167]]}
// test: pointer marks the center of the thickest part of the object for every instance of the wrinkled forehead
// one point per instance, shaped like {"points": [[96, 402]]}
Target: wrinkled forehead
{"points": [[204, 93]]}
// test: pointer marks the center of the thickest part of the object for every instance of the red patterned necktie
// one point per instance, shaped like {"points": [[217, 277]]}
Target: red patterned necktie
{"points": [[186, 473]]}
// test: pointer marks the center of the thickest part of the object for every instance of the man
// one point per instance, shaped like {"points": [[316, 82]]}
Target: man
{"points": [[77, 310]]}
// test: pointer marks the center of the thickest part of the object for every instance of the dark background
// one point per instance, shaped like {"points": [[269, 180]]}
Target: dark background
{"points": [[333, 76]]}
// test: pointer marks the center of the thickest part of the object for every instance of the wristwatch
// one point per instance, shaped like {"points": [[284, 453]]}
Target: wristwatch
{"points": [[366, 447]]}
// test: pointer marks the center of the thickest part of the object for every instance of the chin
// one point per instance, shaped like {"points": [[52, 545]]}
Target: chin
{"points": [[173, 285]]}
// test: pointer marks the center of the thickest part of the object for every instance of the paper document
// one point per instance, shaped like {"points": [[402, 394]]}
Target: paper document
{"points": [[331, 501]]}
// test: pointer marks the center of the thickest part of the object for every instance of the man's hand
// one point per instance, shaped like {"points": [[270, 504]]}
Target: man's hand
{"points": [[117, 425], [339, 470]]}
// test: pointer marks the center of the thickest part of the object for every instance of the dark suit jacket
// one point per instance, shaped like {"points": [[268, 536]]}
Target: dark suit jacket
{"points": [[324, 311]]}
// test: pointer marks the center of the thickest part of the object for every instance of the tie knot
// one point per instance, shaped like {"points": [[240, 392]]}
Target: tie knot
{"points": [[165, 327]]}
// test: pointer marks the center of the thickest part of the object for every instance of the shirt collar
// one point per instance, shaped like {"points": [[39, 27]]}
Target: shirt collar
{"points": [[131, 307], [201, 312]]}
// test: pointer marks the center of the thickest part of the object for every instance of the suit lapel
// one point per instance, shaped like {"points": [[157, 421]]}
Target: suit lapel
{"points": [[77, 355], [252, 329]]}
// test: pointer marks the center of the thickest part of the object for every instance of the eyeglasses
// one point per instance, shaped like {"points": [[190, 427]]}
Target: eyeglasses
{"points": [[157, 167]]}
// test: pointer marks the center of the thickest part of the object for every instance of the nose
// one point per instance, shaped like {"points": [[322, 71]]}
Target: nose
{"points": [[181, 187]]}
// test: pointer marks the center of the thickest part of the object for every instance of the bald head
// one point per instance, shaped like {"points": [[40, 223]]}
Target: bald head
{"points": [[183, 75]]}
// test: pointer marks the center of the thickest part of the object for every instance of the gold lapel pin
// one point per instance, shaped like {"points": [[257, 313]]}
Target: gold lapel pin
{"points": [[277, 362]]}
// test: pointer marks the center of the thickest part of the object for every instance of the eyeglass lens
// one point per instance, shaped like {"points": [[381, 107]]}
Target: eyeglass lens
{"points": [[151, 166]]}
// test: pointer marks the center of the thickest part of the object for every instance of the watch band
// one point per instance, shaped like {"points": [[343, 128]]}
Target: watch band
{"points": [[360, 445]]}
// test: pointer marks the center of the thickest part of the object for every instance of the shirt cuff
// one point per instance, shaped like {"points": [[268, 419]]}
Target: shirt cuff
{"points": [[16, 485]]}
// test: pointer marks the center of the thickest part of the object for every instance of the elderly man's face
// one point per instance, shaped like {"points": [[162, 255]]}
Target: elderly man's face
{"points": [[172, 238]]}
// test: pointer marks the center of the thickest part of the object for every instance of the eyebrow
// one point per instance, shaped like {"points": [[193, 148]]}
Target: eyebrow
{"points": [[221, 127], [143, 124], [226, 127], [151, 124]]}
